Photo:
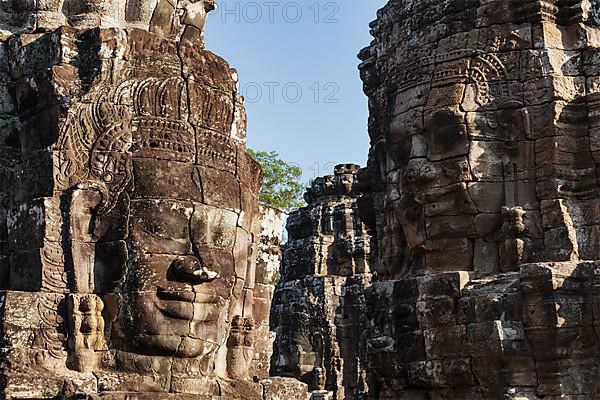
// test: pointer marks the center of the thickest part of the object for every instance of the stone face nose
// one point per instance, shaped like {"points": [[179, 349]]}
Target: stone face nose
{"points": [[189, 269]]}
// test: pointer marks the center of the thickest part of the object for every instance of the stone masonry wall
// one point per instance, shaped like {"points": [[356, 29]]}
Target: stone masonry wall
{"points": [[135, 261], [484, 165], [319, 303]]}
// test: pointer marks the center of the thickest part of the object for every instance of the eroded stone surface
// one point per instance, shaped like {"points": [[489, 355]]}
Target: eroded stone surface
{"points": [[484, 177], [130, 220], [319, 305]]}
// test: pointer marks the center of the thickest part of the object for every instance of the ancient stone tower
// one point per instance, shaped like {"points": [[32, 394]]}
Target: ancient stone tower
{"points": [[130, 229], [483, 201], [485, 141], [318, 308]]}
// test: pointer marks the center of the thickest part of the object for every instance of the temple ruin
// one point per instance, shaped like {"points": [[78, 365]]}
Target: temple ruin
{"points": [[136, 262], [461, 263], [481, 196]]}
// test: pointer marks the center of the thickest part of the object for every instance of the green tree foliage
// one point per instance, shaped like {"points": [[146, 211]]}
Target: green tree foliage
{"points": [[281, 187]]}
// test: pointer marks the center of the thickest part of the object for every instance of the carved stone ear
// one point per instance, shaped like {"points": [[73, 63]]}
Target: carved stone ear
{"points": [[83, 205]]}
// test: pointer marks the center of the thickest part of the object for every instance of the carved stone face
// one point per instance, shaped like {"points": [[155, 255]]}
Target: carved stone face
{"points": [[180, 286], [189, 229], [185, 192], [467, 118], [194, 12], [145, 268], [456, 155]]}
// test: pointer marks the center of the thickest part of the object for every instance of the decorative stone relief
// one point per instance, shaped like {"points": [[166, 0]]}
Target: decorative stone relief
{"points": [[132, 233], [86, 331], [318, 307], [484, 185]]}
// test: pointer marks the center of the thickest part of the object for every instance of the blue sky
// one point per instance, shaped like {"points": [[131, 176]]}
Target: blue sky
{"points": [[298, 72]]}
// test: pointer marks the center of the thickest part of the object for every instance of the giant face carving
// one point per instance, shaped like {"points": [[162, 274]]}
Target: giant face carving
{"points": [[149, 204], [181, 284], [467, 119], [189, 230], [176, 199], [459, 150]]}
